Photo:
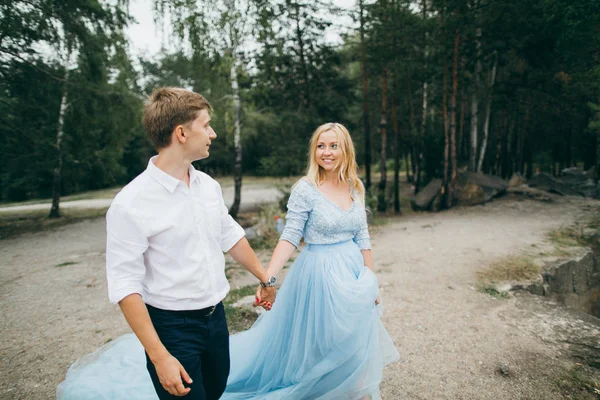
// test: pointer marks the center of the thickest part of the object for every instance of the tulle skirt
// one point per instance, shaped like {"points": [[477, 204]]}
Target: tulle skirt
{"points": [[323, 339]]}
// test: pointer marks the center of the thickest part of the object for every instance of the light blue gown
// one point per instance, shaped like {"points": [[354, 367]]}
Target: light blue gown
{"points": [[323, 338]]}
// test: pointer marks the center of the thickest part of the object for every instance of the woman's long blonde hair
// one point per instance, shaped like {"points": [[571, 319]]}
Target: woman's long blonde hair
{"points": [[348, 170]]}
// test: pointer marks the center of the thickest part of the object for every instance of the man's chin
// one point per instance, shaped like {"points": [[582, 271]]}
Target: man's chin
{"points": [[203, 156]]}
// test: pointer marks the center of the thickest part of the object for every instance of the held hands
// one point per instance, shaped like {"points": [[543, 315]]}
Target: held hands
{"points": [[377, 301], [265, 297], [170, 372]]}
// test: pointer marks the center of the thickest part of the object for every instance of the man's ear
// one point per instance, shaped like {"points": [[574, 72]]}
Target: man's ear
{"points": [[179, 134]]}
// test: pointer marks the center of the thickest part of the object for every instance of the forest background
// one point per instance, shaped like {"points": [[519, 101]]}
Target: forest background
{"points": [[427, 88]]}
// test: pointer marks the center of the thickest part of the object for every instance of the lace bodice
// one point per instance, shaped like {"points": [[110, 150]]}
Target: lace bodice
{"points": [[312, 216]]}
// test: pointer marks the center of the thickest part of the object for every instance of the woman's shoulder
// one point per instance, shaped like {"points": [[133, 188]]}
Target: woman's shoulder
{"points": [[303, 188], [303, 184]]}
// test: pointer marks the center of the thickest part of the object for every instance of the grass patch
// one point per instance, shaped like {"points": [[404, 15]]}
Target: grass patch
{"points": [[66, 263], [492, 291], [509, 269], [567, 238], [578, 381], [239, 319], [17, 223]]}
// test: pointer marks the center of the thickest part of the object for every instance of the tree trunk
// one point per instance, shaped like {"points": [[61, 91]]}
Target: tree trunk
{"points": [[446, 127], [424, 104], [488, 112], [303, 62], [475, 103], [413, 129], [524, 143], [500, 148], [396, 159], [450, 196], [57, 173], [598, 144], [461, 125], [235, 207], [381, 200], [365, 91]]}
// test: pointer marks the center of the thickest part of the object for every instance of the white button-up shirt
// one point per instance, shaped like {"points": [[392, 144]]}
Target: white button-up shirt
{"points": [[166, 240]]}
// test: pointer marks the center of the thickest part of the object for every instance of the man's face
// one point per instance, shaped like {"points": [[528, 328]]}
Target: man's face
{"points": [[200, 134]]}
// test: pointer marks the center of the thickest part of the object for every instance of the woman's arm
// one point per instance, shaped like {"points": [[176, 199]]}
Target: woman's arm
{"points": [[368, 258], [282, 253]]}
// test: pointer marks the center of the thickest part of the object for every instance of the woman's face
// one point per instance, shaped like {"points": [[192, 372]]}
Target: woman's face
{"points": [[328, 153]]}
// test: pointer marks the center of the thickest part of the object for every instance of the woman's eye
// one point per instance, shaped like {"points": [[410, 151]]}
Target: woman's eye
{"points": [[320, 146]]}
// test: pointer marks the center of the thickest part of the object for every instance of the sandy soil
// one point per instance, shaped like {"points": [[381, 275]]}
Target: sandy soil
{"points": [[452, 338]]}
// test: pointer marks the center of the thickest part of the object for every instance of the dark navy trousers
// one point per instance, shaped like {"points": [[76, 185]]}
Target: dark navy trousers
{"points": [[199, 339]]}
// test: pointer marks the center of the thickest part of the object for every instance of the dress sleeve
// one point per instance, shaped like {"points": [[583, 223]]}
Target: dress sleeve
{"points": [[299, 206], [362, 238]]}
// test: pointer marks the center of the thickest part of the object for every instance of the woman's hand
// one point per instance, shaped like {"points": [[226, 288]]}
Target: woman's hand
{"points": [[265, 297], [377, 301]]}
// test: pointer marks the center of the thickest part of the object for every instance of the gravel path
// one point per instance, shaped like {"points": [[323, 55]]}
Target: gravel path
{"points": [[452, 339], [252, 196]]}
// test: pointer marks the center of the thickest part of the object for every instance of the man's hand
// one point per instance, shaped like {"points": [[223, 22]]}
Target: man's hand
{"points": [[170, 372], [265, 297]]}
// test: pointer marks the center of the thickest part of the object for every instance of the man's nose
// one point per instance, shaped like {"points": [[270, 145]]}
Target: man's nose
{"points": [[212, 134]]}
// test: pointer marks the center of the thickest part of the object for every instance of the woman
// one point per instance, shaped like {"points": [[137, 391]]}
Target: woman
{"points": [[323, 338]]}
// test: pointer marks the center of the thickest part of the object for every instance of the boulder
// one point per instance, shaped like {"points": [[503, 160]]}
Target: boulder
{"points": [[574, 176], [516, 180], [532, 193], [589, 189], [547, 182], [424, 199], [476, 188]]}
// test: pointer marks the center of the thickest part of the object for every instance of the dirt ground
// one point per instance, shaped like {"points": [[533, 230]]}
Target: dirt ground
{"points": [[455, 342]]}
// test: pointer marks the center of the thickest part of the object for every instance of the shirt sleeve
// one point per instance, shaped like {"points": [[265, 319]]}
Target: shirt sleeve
{"points": [[362, 238], [231, 231], [125, 247], [299, 206]]}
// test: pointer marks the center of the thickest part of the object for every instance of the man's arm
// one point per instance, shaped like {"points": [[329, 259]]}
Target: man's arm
{"points": [[243, 253], [168, 368], [126, 244]]}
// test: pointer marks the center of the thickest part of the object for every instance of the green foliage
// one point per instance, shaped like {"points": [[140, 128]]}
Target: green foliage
{"points": [[292, 80]]}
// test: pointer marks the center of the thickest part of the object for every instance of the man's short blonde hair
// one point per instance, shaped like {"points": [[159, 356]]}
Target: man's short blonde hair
{"points": [[168, 107]]}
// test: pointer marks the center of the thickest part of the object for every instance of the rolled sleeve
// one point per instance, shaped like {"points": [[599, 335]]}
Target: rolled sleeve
{"points": [[299, 206], [231, 231], [125, 248]]}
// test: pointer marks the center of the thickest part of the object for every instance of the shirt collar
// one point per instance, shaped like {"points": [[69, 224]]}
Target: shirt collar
{"points": [[169, 182]]}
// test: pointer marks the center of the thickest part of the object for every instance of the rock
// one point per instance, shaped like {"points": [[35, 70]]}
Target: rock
{"points": [[589, 189], [574, 175], [591, 173], [424, 199], [532, 193], [575, 282], [516, 180], [476, 188], [550, 184], [504, 370]]}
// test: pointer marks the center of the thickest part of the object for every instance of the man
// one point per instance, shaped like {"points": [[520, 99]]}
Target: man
{"points": [[166, 234]]}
